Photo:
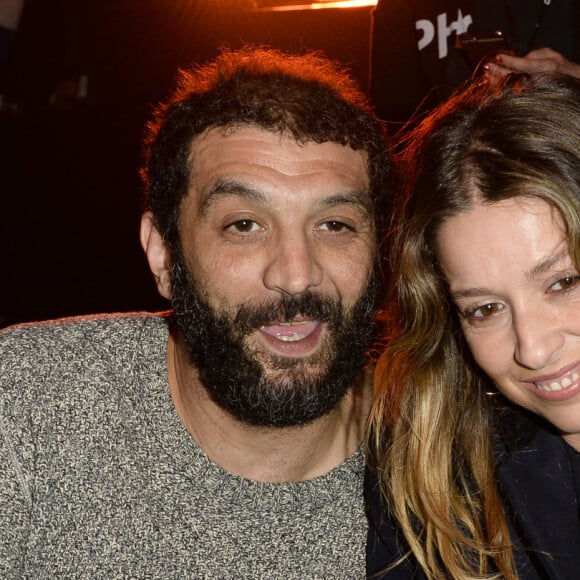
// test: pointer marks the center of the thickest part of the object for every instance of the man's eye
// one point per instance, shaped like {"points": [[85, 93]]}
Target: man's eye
{"points": [[565, 283], [336, 226], [484, 311], [244, 226]]}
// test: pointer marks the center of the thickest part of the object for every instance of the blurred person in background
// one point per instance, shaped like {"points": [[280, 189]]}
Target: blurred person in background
{"points": [[10, 13], [416, 63]]}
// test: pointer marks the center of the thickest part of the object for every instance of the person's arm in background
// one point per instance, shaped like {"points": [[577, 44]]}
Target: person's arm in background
{"points": [[539, 60]]}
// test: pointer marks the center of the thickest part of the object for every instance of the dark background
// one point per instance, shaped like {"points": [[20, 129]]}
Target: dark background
{"points": [[69, 186]]}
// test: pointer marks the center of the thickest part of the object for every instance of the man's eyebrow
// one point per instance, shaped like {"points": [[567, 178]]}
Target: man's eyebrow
{"points": [[358, 197], [226, 187]]}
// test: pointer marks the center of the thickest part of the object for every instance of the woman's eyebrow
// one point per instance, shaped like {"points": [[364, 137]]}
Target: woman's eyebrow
{"points": [[547, 264], [471, 293], [544, 266]]}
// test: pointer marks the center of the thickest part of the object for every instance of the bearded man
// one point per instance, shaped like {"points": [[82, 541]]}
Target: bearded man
{"points": [[223, 438]]}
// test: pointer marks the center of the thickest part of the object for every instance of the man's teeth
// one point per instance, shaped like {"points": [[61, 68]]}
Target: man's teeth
{"points": [[292, 338], [558, 385]]}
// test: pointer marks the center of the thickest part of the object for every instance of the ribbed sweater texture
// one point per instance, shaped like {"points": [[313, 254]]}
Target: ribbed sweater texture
{"points": [[99, 478]]}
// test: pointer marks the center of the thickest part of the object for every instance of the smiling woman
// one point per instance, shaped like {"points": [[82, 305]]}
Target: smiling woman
{"points": [[477, 418], [515, 284]]}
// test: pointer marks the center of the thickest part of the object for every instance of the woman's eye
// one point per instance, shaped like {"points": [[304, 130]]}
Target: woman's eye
{"points": [[243, 226], [565, 283], [484, 311], [336, 226]]}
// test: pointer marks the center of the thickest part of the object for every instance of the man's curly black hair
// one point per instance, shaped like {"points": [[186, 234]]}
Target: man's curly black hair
{"points": [[306, 96]]}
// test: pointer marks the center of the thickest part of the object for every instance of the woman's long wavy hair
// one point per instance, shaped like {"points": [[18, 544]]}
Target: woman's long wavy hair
{"points": [[431, 424]]}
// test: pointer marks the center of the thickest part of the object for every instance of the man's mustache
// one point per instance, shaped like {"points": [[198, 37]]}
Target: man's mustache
{"points": [[308, 305]]}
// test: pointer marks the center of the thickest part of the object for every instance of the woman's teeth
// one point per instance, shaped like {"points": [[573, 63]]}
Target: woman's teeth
{"points": [[558, 385]]}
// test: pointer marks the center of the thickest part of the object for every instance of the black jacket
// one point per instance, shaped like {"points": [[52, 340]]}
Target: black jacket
{"points": [[415, 65], [540, 478]]}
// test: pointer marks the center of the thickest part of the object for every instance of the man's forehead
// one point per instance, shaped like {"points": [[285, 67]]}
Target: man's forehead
{"points": [[246, 135], [246, 153]]}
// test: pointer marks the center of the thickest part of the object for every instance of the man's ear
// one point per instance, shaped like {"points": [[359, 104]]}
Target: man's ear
{"points": [[158, 254]]}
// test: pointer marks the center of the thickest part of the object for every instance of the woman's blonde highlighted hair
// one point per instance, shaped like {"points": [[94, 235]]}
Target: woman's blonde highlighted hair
{"points": [[431, 427]]}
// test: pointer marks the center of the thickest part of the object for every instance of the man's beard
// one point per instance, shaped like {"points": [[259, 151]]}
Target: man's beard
{"points": [[260, 387]]}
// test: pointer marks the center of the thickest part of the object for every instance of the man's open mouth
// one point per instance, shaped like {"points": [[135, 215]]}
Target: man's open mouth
{"points": [[292, 331]]}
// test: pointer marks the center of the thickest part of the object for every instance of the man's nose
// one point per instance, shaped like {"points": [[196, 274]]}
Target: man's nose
{"points": [[293, 267]]}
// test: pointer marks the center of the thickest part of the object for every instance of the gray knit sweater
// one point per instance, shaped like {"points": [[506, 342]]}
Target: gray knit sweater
{"points": [[99, 479]]}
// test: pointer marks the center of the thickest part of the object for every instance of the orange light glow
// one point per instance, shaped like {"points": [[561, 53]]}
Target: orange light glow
{"points": [[321, 5]]}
